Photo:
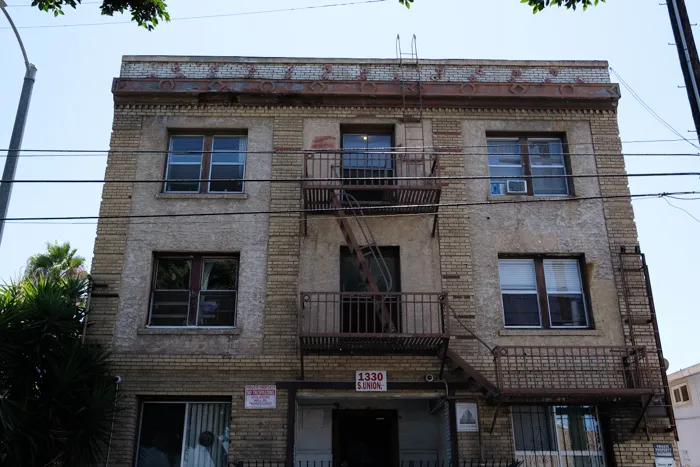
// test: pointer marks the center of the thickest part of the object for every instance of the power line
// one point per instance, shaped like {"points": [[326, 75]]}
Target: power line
{"points": [[308, 219], [650, 110], [224, 15], [429, 151], [368, 208], [369, 179], [681, 209], [104, 152]]}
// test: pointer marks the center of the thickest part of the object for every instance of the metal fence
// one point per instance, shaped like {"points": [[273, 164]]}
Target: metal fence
{"points": [[581, 368], [401, 463]]}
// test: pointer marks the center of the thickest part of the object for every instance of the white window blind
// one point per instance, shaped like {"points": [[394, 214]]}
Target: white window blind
{"points": [[517, 275], [562, 276]]}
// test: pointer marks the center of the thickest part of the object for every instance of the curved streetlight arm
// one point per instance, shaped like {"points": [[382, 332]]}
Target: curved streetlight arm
{"points": [[8, 173], [19, 39]]}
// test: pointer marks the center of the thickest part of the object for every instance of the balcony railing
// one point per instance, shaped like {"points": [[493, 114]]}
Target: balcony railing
{"points": [[386, 181], [400, 463], [394, 321], [574, 371]]}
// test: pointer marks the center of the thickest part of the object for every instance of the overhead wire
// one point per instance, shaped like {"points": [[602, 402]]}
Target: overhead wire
{"points": [[681, 209], [364, 179], [48, 153], [648, 108], [309, 219], [368, 209], [219, 15]]}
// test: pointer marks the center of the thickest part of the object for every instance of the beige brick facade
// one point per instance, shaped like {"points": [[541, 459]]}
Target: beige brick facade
{"points": [[192, 364]]}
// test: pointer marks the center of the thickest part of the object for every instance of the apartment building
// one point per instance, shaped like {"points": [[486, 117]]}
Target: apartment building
{"points": [[375, 262], [685, 396]]}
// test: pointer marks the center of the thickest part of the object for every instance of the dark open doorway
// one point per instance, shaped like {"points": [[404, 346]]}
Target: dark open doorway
{"points": [[365, 438], [362, 309]]}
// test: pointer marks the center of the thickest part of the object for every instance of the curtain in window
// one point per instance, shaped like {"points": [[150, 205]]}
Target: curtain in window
{"points": [[206, 272], [206, 440]]}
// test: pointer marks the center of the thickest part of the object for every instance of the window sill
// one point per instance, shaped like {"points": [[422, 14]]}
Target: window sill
{"points": [[202, 195], [550, 332], [189, 331], [527, 197]]}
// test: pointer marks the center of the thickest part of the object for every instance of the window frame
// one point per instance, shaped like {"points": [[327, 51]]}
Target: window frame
{"points": [[206, 161], [524, 140], [559, 453], [682, 402], [369, 130], [543, 295], [174, 400], [196, 266]]}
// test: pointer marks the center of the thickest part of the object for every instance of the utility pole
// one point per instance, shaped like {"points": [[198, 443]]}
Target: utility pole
{"points": [[688, 54], [8, 174]]}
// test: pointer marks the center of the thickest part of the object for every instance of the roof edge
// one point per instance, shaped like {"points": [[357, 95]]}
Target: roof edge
{"points": [[356, 61]]}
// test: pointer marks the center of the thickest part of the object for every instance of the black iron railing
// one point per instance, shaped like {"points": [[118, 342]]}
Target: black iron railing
{"points": [[401, 463]]}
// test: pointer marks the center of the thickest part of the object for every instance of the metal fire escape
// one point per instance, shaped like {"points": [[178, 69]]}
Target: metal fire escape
{"points": [[411, 81], [643, 330], [347, 206]]}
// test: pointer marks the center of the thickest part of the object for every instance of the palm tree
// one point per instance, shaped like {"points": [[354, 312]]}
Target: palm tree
{"points": [[58, 260]]}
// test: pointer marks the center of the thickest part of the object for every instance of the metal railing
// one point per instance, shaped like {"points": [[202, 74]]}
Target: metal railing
{"points": [[586, 369], [386, 169], [400, 463], [368, 243], [338, 314]]}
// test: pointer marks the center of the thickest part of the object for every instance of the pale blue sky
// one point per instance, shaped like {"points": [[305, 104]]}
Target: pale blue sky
{"points": [[72, 104]]}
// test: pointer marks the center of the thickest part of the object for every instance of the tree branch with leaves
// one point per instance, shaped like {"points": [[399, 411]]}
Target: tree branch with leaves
{"points": [[539, 5], [146, 13]]}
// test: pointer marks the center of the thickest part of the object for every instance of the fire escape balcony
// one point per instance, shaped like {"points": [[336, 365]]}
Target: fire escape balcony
{"points": [[590, 372], [370, 322], [386, 182]]}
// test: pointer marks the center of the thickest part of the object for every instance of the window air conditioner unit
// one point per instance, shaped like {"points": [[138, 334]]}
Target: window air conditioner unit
{"points": [[516, 187]]}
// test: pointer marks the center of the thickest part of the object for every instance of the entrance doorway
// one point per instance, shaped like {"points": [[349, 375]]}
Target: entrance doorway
{"points": [[365, 438]]}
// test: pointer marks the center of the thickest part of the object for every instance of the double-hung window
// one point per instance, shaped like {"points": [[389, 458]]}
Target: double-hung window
{"points": [[560, 435], [523, 160], [194, 290], [681, 394], [543, 292], [184, 434], [217, 158]]}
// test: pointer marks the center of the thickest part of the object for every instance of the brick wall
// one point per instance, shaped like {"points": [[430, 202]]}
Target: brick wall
{"points": [[263, 433], [471, 71]]}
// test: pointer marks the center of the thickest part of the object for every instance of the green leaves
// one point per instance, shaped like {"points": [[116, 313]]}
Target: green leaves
{"points": [[539, 5], [145, 13], [58, 260], [56, 394]]}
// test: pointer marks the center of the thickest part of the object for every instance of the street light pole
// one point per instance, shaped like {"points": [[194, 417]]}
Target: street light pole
{"points": [[8, 174]]}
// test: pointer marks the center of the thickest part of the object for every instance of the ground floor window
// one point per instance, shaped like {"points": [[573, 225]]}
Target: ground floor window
{"points": [[184, 434], [558, 436]]}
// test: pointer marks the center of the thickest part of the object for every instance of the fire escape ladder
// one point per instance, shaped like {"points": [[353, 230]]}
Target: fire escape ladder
{"points": [[454, 361], [410, 79], [364, 252], [643, 329]]}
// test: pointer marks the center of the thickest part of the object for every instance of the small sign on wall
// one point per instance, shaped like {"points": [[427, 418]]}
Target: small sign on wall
{"points": [[663, 455], [370, 381], [261, 397], [467, 417]]}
